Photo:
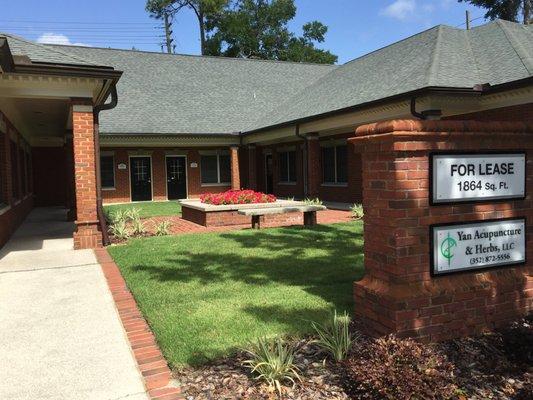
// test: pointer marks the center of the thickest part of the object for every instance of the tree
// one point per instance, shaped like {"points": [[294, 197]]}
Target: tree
{"points": [[259, 29], [510, 10], [201, 8]]}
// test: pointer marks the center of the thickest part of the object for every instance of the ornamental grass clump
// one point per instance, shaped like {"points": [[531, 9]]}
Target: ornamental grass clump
{"points": [[272, 361], [334, 336], [138, 227], [133, 214], [237, 197], [357, 211], [313, 202], [117, 216], [163, 228], [119, 230]]}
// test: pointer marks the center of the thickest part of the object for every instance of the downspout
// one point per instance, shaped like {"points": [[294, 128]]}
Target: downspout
{"points": [[414, 113], [426, 114], [99, 204], [305, 166]]}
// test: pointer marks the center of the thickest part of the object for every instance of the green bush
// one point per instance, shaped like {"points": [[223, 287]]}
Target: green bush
{"points": [[133, 214], [163, 228], [116, 216], [272, 361], [119, 230], [357, 211], [334, 336]]}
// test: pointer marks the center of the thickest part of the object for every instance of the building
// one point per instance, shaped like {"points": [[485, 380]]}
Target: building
{"points": [[154, 126]]}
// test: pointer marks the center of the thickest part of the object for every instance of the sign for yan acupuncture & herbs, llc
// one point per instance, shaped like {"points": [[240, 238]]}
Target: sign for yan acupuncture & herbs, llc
{"points": [[477, 245], [477, 177]]}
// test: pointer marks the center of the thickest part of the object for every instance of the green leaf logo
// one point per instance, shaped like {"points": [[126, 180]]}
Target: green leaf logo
{"points": [[446, 248]]}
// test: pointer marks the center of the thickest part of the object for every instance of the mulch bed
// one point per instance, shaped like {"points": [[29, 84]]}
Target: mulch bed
{"points": [[497, 365]]}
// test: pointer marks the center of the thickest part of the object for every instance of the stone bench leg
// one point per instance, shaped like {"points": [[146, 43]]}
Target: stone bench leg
{"points": [[256, 222], [310, 218]]}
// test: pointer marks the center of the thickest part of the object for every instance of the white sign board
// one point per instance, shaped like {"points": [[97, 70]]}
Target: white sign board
{"points": [[121, 166], [477, 245], [477, 177]]}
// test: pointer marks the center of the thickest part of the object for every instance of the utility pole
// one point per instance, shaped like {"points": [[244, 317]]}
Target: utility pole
{"points": [[168, 33], [467, 20]]}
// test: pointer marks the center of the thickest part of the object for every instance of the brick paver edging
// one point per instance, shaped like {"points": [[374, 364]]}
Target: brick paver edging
{"points": [[153, 366]]}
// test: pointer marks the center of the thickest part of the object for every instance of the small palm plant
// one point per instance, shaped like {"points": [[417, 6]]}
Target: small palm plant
{"points": [[334, 336], [119, 230], [138, 227], [357, 211], [272, 361], [163, 228]]}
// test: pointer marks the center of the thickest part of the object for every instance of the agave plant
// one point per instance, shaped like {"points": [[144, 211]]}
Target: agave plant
{"points": [[334, 336], [163, 228], [272, 361]]}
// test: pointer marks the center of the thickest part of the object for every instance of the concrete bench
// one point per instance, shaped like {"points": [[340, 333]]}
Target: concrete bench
{"points": [[308, 211]]}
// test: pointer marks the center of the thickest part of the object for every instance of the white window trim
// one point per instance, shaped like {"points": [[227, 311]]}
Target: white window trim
{"points": [[108, 154], [218, 182], [285, 180], [336, 182]]}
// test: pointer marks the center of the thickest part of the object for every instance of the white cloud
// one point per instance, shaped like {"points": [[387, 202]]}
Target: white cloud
{"points": [[57, 38], [400, 9]]}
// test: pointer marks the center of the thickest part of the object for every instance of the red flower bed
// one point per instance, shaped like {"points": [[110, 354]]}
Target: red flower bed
{"points": [[237, 197]]}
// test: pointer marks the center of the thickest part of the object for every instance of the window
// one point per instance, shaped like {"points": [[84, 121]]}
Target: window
{"points": [[287, 166], [107, 171], [14, 171], [335, 164], [216, 169]]}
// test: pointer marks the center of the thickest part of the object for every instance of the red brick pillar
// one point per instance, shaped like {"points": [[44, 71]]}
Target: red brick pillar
{"points": [[235, 174], [252, 167], [87, 233], [314, 172], [398, 293]]}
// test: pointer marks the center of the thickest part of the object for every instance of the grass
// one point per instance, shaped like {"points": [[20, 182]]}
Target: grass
{"points": [[149, 208], [205, 295]]}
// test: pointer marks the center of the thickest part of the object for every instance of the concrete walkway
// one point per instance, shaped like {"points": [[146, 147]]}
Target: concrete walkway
{"points": [[60, 335]]}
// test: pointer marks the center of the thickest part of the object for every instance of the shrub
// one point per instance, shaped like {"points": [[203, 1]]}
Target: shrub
{"points": [[138, 227], [396, 369], [272, 361], [119, 230], [334, 336], [117, 216], [313, 202], [357, 211], [237, 197], [163, 228]]}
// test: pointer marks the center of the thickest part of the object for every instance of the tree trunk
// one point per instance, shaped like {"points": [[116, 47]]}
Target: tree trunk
{"points": [[527, 11], [201, 23]]}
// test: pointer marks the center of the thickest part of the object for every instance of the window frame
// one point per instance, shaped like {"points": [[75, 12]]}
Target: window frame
{"points": [[286, 180], [102, 187], [336, 181], [218, 182]]}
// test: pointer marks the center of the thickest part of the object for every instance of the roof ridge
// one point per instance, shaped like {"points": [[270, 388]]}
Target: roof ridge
{"points": [[435, 57], [190, 55], [467, 35], [518, 47], [41, 45]]}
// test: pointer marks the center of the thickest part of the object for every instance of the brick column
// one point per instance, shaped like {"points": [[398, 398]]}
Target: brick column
{"points": [[235, 174], [314, 172], [87, 233], [252, 167], [398, 294]]}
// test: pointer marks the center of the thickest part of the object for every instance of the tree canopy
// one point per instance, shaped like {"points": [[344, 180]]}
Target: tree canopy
{"points": [[510, 10], [251, 29]]}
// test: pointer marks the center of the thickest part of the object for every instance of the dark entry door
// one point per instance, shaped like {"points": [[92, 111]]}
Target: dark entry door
{"points": [[141, 178], [176, 178], [269, 174]]}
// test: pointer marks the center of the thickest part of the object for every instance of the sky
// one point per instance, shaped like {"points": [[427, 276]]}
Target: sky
{"points": [[356, 27]]}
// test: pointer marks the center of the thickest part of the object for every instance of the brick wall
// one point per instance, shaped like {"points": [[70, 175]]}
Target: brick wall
{"points": [[398, 293], [121, 193]]}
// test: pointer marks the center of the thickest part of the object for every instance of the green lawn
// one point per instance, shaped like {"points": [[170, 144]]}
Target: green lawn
{"points": [[149, 208], [207, 294]]}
